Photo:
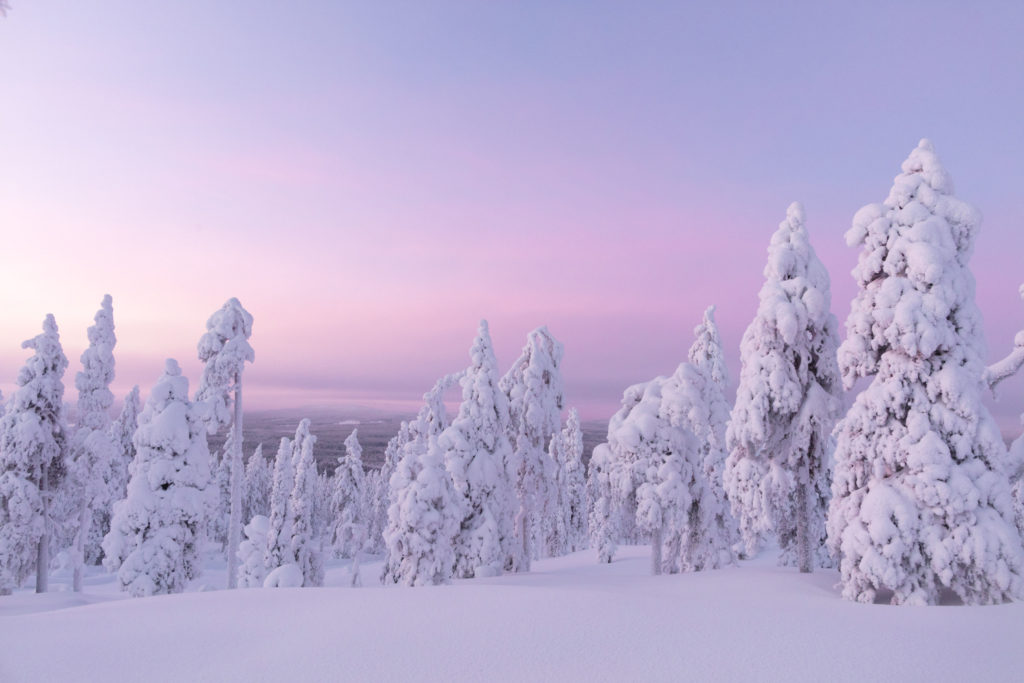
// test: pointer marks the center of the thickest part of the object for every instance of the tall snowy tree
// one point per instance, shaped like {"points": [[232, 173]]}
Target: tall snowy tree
{"points": [[788, 400], [156, 531], [92, 451], [569, 526], [32, 461], [224, 349], [476, 450], [920, 497], [348, 498], [279, 532], [534, 389], [305, 546], [122, 430], [258, 484], [602, 512]]}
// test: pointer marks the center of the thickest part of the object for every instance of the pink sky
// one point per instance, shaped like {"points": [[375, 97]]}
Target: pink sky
{"points": [[372, 182]]}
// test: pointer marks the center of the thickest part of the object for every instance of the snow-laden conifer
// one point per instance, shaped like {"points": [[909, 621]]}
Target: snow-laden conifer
{"points": [[122, 431], [476, 450], [92, 452], [376, 491], [279, 531], [602, 512], [569, 525], [258, 483], [251, 569], [305, 545], [788, 400], [224, 349], [424, 519], [156, 531], [534, 389], [32, 461], [348, 498], [920, 497]]}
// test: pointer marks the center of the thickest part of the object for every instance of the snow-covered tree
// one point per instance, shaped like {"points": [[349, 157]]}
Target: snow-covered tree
{"points": [[375, 493], [258, 485], [32, 461], [251, 569], [788, 400], [224, 349], [534, 389], [569, 525], [305, 545], [920, 497], [603, 514], [156, 531], [122, 430], [424, 518], [348, 498], [92, 451], [476, 450], [279, 532]]}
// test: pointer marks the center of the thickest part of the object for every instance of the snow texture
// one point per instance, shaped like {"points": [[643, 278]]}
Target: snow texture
{"points": [[348, 500], [920, 497]]}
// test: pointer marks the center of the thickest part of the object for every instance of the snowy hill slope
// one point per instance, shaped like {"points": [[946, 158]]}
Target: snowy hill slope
{"points": [[569, 619]]}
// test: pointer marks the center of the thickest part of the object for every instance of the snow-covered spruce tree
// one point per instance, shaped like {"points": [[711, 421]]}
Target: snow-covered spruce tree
{"points": [[602, 513], [569, 522], [156, 531], [920, 497], [251, 569], [534, 389], [305, 546], [122, 430], [708, 357], [32, 461], [348, 498], [788, 400], [279, 533], [424, 518], [224, 349], [476, 450], [92, 450], [258, 483]]}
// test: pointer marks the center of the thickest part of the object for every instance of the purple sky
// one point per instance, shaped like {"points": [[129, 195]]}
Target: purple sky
{"points": [[372, 179]]}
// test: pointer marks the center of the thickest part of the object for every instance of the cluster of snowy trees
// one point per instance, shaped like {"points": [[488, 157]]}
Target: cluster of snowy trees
{"points": [[912, 491]]}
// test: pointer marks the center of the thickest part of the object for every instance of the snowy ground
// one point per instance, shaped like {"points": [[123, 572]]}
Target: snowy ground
{"points": [[569, 619]]}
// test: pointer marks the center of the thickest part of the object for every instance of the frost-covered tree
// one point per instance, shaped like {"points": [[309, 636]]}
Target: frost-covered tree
{"points": [[32, 461], [534, 389], [251, 569], [224, 349], [122, 430], [375, 492], [569, 526], [788, 400], [476, 450], [305, 545], [348, 500], [92, 451], [258, 483], [920, 497], [602, 513], [279, 531], [156, 531], [424, 518]]}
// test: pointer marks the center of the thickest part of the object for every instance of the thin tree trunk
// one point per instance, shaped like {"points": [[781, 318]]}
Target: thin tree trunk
{"points": [[803, 535], [43, 551], [656, 551], [237, 471]]}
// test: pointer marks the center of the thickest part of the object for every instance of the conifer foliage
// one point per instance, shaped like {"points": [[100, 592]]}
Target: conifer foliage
{"points": [[920, 497]]}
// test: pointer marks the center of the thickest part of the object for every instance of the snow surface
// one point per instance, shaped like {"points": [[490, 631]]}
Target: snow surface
{"points": [[569, 618]]}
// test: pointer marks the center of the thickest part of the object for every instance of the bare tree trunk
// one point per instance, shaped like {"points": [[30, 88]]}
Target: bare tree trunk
{"points": [[656, 551], [803, 532], [237, 472], [43, 551]]}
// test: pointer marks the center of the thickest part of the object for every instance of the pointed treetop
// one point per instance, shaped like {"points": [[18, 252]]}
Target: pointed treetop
{"points": [[795, 214], [706, 353], [171, 368]]}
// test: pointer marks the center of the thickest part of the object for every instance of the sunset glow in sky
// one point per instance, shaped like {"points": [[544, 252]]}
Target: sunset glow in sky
{"points": [[371, 179]]}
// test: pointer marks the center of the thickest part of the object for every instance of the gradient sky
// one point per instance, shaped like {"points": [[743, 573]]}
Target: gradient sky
{"points": [[371, 179]]}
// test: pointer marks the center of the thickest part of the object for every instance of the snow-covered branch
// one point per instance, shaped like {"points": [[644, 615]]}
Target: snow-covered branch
{"points": [[1009, 366]]}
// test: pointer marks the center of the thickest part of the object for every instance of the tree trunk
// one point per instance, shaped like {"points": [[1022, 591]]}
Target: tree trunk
{"points": [[656, 551], [43, 551], [523, 524], [803, 535], [237, 472]]}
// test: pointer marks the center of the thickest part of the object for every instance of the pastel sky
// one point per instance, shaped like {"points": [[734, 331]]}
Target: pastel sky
{"points": [[371, 179]]}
